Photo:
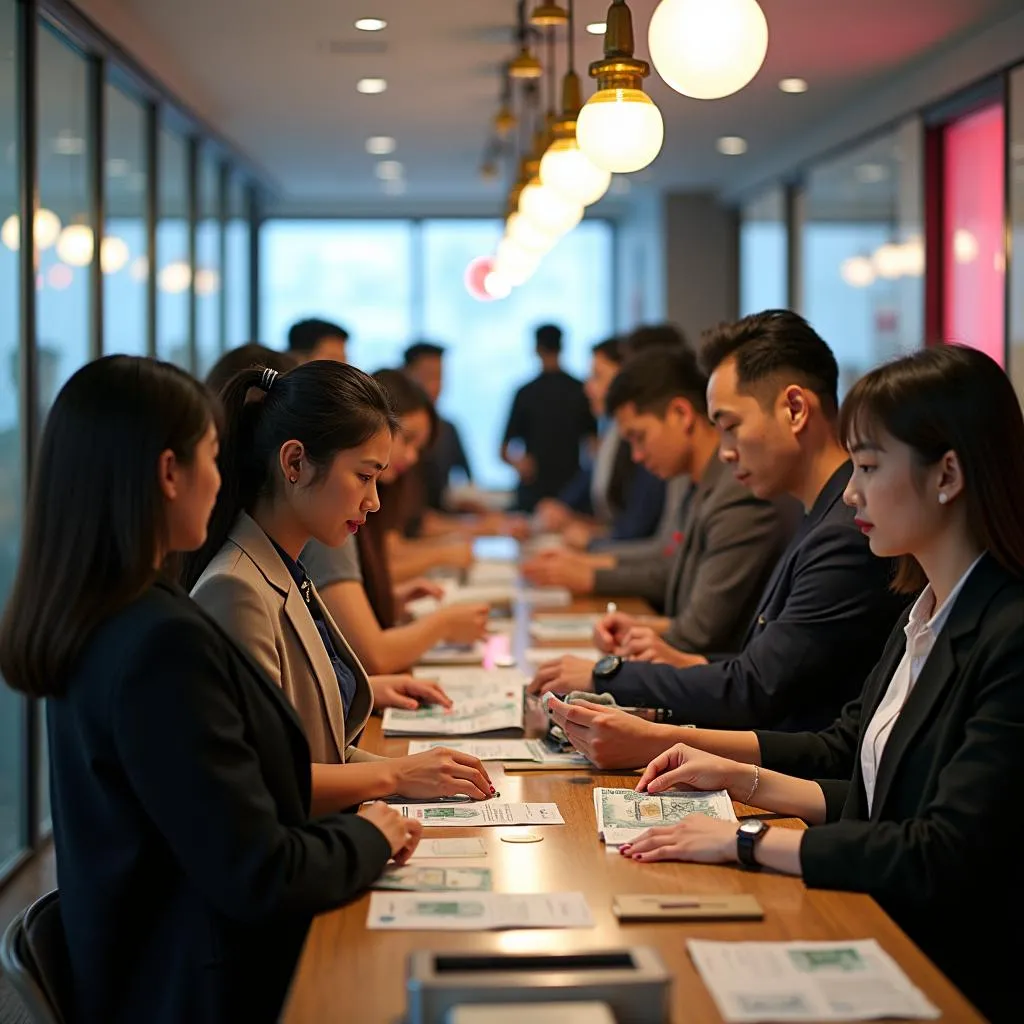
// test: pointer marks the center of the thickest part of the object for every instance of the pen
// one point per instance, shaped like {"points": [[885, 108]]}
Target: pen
{"points": [[612, 608]]}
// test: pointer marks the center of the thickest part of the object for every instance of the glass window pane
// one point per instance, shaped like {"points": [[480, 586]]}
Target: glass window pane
{"points": [[572, 287], [355, 273], [974, 231], [764, 273], [862, 254], [12, 749], [208, 268], [1016, 157], [123, 254], [62, 283], [174, 276], [237, 273]]}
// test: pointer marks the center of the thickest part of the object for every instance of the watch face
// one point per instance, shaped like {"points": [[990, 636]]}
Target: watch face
{"points": [[607, 665], [752, 828]]}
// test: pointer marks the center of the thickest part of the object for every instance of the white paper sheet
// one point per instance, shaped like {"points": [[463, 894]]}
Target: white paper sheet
{"points": [[535, 656], [807, 981], [495, 712], [445, 849], [512, 751], [623, 814], [454, 654], [472, 681], [565, 629], [478, 814], [485, 911]]}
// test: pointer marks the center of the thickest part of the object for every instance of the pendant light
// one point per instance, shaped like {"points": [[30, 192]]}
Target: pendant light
{"points": [[565, 167], [619, 127], [708, 49], [505, 118], [546, 15], [524, 64]]}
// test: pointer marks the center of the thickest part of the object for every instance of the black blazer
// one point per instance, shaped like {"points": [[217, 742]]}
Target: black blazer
{"points": [[941, 849], [819, 628], [188, 868]]}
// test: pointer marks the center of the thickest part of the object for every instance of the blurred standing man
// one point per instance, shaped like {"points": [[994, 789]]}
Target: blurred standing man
{"points": [[318, 339], [424, 366], [550, 418]]}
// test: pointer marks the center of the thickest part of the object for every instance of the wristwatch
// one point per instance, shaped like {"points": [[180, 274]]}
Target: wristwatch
{"points": [[607, 667], [748, 835]]}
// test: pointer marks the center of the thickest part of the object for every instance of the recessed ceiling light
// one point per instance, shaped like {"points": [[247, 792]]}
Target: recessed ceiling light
{"points": [[371, 24], [370, 86], [389, 170], [793, 85], [596, 28], [380, 145], [731, 145]]}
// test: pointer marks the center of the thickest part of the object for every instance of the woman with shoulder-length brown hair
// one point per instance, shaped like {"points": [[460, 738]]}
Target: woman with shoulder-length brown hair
{"points": [[932, 753], [189, 867]]}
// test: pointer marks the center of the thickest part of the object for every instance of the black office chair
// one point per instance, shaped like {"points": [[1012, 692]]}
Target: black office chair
{"points": [[34, 956]]}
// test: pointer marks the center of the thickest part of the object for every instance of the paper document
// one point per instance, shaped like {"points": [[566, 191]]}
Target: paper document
{"points": [[807, 981], [535, 656], [487, 812], [490, 572], [468, 716], [486, 911], [515, 751], [563, 629], [444, 849], [454, 654], [624, 814], [547, 597], [420, 878], [471, 681]]}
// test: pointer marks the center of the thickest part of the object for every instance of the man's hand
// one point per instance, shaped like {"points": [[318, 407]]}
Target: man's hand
{"points": [[611, 630], [609, 736], [563, 675], [556, 568], [526, 466], [642, 643]]}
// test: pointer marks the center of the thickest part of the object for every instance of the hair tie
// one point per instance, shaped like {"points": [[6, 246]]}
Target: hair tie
{"points": [[268, 378]]}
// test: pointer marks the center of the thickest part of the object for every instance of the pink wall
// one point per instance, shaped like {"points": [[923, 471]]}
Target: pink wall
{"points": [[974, 226]]}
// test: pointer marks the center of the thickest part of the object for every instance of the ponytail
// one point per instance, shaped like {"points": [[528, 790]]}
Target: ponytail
{"points": [[327, 406]]}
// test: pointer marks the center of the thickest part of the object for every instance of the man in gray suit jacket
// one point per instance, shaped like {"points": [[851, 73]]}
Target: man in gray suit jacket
{"points": [[727, 542]]}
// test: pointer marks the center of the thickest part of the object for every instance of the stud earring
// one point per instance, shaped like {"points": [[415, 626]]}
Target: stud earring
{"points": [[943, 498], [293, 479]]}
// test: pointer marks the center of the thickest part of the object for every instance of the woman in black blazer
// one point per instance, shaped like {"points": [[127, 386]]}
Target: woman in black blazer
{"points": [[189, 869], [920, 777]]}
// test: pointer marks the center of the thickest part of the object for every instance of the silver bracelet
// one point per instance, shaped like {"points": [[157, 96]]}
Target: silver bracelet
{"points": [[757, 782]]}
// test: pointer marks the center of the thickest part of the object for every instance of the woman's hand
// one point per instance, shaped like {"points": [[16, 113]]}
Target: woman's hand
{"points": [[441, 772], [402, 834], [611, 630], [609, 736], [407, 692], [464, 623], [413, 589], [683, 767], [698, 838], [458, 554]]}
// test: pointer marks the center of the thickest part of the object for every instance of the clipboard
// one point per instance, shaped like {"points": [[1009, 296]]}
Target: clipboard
{"points": [[685, 907]]}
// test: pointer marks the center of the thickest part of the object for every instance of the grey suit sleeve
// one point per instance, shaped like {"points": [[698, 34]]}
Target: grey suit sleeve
{"points": [[742, 540], [635, 577]]}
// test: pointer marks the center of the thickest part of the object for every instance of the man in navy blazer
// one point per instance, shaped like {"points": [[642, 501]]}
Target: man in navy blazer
{"points": [[827, 610]]}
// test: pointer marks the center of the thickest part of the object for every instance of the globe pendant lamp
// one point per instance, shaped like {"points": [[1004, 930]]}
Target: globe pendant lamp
{"points": [[708, 49], [528, 234], [619, 128], [549, 210]]}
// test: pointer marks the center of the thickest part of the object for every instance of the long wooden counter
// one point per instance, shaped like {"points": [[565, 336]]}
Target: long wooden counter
{"points": [[350, 974]]}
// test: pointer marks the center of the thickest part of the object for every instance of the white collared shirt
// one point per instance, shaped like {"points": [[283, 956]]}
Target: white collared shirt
{"points": [[922, 630]]}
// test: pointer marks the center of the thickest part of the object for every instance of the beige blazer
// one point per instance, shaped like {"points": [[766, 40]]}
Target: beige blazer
{"points": [[251, 594]]}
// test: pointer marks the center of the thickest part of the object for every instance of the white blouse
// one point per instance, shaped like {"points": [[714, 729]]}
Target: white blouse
{"points": [[922, 630]]}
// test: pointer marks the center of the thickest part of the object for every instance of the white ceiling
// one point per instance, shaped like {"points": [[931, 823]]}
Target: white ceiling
{"points": [[267, 74]]}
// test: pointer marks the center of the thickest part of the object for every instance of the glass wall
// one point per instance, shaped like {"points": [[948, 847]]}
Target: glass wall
{"points": [[238, 267], [174, 274], [862, 255], [12, 752], [390, 282], [124, 250], [764, 253], [1016, 269], [208, 292]]}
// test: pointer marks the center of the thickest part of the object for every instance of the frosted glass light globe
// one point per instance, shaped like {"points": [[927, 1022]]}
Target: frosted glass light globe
{"points": [[46, 227], [858, 272], [114, 254], [75, 245], [888, 261], [568, 170], [708, 49], [548, 209], [620, 130], [529, 234], [497, 286]]}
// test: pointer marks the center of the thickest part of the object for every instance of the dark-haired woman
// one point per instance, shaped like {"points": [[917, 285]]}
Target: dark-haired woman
{"points": [[934, 748], [355, 580], [189, 869], [300, 457]]}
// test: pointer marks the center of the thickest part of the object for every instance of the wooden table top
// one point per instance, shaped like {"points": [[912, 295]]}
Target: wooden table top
{"points": [[348, 973]]}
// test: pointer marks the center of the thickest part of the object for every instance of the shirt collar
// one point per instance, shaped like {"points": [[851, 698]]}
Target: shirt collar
{"points": [[295, 569], [922, 615]]}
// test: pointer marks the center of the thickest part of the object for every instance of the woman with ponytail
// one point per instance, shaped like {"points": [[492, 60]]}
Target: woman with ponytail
{"points": [[300, 457]]}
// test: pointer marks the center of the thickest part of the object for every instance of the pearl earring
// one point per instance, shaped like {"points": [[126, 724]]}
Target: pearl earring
{"points": [[943, 498]]}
